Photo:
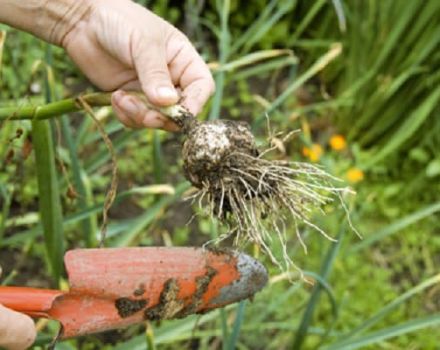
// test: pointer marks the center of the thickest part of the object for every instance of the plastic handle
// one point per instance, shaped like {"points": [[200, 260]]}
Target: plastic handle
{"points": [[31, 301]]}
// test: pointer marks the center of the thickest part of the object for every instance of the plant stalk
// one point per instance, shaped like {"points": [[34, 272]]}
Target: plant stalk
{"points": [[176, 113]]}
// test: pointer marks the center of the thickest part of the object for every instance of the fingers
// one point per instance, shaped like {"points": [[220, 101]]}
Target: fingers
{"points": [[133, 113], [163, 65], [196, 94], [150, 62], [190, 72], [17, 331]]}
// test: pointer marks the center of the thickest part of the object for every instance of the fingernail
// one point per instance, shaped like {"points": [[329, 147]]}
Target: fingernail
{"points": [[118, 95], [129, 106], [167, 94]]}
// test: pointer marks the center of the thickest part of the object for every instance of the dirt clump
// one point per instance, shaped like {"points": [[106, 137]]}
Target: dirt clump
{"points": [[169, 305], [127, 307], [202, 284]]}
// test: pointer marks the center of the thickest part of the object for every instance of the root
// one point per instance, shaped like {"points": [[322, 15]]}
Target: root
{"points": [[256, 199], [261, 200]]}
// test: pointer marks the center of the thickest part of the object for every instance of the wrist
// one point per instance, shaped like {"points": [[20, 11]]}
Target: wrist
{"points": [[60, 17], [47, 19]]}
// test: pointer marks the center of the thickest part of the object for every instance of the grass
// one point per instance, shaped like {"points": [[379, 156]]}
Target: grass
{"points": [[48, 190], [378, 88]]}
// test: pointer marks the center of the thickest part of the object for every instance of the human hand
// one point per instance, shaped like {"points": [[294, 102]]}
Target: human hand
{"points": [[17, 331], [119, 44]]}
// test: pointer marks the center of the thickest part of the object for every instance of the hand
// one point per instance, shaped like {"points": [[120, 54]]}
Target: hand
{"points": [[119, 44], [17, 331]]}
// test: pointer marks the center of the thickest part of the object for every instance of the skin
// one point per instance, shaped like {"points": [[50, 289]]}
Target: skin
{"points": [[139, 51], [17, 331], [119, 46]]}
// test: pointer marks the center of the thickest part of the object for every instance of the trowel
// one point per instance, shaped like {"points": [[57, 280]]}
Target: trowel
{"points": [[116, 287]]}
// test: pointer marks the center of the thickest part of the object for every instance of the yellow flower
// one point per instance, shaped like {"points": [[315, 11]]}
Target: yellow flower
{"points": [[314, 153], [337, 142], [305, 151], [355, 175]]}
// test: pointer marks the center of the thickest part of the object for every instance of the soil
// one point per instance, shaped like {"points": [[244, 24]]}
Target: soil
{"points": [[127, 307], [202, 283], [207, 151], [212, 152], [140, 290], [169, 304]]}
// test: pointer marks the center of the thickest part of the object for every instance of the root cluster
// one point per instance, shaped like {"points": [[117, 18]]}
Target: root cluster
{"points": [[258, 199]]}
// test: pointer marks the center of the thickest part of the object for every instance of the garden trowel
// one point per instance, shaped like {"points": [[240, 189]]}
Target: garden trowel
{"points": [[116, 287]]}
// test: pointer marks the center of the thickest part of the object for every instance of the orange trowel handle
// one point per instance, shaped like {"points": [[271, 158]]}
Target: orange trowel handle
{"points": [[31, 301]]}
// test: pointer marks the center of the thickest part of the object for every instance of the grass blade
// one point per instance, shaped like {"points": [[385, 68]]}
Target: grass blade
{"points": [[103, 155], [49, 196], [20, 237], [391, 306], [387, 333], [88, 225], [2, 43], [268, 17], [408, 128], [326, 266], [339, 9], [144, 220], [170, 332], [267, 25], [158, 159], [232, 341], [264, 67], [252, 59], [225, 329], [396, 226], [224, 43], [319, 65], [317, 5], [6, 201]]}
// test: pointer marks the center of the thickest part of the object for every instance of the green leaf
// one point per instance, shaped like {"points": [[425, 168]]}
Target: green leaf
{"points": [[233, 338], [396, 227], [48, 188], [319, 65], [433, 168], [223, 8], [393, 305], [49, 196], [387, 333], [326, 267], [140, 223], [407, 129], [88, 225]]}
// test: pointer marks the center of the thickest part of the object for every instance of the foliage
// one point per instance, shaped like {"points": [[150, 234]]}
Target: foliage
{"points": [[369, 116]]}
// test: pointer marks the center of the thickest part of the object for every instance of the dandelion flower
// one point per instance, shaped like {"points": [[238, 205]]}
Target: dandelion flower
{"points": [[314, 152], [337, 142], [355, 175]]}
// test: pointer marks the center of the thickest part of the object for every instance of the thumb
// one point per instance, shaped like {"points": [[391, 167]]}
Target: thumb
{"points": [[152, 69], [17, 331]]}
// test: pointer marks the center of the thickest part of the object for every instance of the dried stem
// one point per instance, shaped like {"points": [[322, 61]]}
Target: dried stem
{"points": [[111, 193]]}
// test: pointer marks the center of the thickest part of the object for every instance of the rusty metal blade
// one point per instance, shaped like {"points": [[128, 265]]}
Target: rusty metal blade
{"points": [[115, 287]]}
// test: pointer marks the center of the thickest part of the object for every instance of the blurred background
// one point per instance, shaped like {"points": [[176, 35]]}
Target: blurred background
{"points": [[360, 79]]}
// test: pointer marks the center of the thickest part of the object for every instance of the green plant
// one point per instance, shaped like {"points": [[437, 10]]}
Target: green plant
{"points": [[378, 88]]}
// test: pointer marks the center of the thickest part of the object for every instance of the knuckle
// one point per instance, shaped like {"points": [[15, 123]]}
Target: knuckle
{"points": [[157, 74]]}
